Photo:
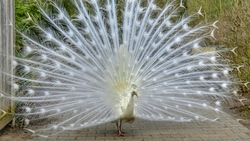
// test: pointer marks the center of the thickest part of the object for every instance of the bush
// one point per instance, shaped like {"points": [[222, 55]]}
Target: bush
{"points": [[233, 32], [24, 8]]}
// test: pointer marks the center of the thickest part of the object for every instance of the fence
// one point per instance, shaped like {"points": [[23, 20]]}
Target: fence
{"points": [[6, 52]]}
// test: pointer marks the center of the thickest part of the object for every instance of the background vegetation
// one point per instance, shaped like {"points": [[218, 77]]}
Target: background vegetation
{"points": [[24, 8], [233, 33]]}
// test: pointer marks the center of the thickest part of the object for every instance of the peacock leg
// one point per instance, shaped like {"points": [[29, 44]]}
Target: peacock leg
{"points": [[120, 133], [117, 126]]}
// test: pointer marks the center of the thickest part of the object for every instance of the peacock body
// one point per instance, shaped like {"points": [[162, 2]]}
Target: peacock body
{"points": [[102, 65]]}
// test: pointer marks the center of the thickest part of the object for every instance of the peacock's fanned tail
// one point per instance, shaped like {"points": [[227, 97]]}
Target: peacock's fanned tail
{"points": [[78, 69]]}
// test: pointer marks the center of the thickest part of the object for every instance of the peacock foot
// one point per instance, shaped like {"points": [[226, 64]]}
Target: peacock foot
{"points": [[120, 133]]}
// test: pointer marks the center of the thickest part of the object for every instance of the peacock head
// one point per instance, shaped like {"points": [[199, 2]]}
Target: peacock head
{"points": [[134, 93]]}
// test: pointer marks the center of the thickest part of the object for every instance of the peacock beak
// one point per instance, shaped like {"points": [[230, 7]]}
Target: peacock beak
{"points": [[134, 93]]}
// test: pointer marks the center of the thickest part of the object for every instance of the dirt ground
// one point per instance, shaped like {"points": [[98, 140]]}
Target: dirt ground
{"points": [[236, 109], [240, 110], [14, 134]]}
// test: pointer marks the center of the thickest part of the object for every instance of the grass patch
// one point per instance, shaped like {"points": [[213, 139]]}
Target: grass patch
{"points": [[233, 32]]}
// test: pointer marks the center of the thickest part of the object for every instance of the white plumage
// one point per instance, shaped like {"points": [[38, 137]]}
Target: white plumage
{"points": [[97, 67]]}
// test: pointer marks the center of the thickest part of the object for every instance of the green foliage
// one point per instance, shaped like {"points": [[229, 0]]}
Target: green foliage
{"points": [[212, 9], [24, 8], [234, 31], [245, 111]]}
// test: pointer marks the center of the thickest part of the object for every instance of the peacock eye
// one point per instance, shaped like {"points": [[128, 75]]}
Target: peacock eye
{"points": [[134, 86]]}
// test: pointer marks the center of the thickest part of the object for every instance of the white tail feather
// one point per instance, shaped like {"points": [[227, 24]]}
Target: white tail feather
{"points": [[81, 70]]}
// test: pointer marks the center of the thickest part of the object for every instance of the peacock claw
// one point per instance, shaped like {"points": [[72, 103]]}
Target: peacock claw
{"points": [[121, 134]]}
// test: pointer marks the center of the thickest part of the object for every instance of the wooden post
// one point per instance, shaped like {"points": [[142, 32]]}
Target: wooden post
{"points": [[6, 53]]}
